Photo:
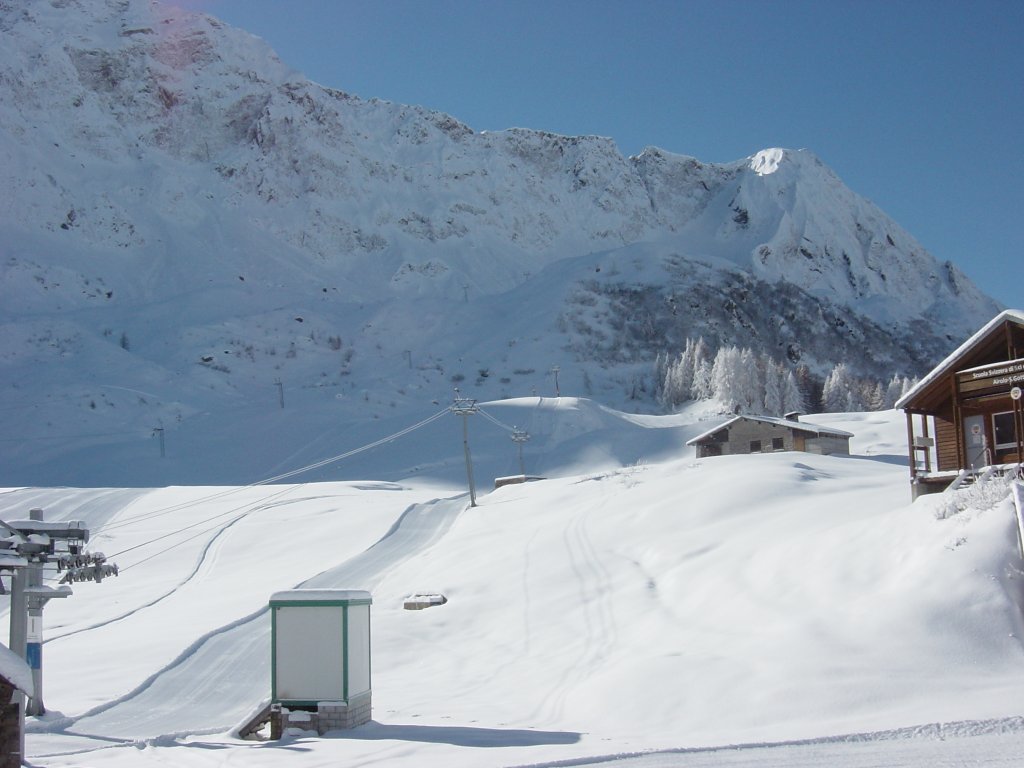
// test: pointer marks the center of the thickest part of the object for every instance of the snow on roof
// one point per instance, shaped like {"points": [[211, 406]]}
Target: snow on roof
{"points": [[319, 595], [799, 426], [942, 368], [14, 668]]}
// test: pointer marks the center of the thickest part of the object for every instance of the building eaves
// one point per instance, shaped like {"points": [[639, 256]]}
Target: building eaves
{"points": [[949, 363]]}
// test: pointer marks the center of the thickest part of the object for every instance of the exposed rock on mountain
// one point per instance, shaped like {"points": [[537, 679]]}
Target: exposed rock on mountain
{"points": [[187, 217]]}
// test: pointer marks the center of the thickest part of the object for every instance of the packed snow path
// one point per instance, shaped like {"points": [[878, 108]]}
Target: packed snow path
{"points": [[217, 680]]}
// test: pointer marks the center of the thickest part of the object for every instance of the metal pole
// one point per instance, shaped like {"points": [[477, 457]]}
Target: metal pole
{"points": [[34, 633], [1018, 410], [519, 437], [19, 625], [469, 460], [465, 406], [280, 391]]}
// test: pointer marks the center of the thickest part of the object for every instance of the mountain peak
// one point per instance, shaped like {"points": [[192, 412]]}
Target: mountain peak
{"points": [[767, 161]]}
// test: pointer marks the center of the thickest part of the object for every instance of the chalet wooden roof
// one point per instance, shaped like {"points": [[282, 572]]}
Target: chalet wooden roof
{"points": [[1001, 339], [796, 426]]}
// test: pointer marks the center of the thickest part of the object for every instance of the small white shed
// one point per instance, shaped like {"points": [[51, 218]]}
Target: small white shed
{"points": [[320, 655]]}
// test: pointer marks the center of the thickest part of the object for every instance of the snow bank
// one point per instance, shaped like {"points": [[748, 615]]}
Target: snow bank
{"points": [[740, 599]]}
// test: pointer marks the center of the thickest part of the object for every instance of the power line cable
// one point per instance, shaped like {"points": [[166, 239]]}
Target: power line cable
{"points": [[65, 437], [186, 540], [228, 492], [493, 420], [251, 508]]}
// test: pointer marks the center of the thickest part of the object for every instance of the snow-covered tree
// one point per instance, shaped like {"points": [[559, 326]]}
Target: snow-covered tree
{"points": [[702, 389], [774, 377], [837, 392], [898, 386], [726, 376], [792, 397], [751, 383], [747, 382], [875, 397]]}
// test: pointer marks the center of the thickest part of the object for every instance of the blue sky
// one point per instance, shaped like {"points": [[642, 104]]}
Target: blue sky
{"points": [[917, 105]]}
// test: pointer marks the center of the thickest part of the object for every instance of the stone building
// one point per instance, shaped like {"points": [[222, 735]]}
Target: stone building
{"points": [[766, 434]]}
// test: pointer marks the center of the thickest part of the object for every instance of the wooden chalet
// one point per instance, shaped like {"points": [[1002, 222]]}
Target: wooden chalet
{"points": [[766, 434], [965, 417]]}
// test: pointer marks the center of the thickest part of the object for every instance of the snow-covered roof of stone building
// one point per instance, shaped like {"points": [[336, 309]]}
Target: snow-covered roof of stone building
{"points": [[797, 426]]}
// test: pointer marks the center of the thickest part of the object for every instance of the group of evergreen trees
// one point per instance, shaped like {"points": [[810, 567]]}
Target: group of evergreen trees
{"points": [[745, 381]]}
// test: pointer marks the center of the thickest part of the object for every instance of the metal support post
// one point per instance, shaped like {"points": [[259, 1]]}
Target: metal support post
{"points": [[469, 460], [34, 634], [19, 625], [159, 432], [519, 437], [464, 407]]}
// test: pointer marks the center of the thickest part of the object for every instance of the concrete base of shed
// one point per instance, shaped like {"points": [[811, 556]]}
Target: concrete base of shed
{"points": [[327, 716]]}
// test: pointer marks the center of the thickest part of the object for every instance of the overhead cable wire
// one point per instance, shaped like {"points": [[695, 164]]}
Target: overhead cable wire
{"points": [[252, 507], [493, 420], [353, 452], [64, 437], [267, 481]]}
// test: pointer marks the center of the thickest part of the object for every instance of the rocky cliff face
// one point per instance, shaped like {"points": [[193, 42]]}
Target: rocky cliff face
{"points": [[176, 199]]}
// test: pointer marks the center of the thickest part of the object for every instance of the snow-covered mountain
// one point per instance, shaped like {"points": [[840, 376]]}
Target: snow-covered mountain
{"points": [[186, 222]]}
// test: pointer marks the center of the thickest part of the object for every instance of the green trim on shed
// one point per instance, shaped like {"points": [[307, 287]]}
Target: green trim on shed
{"points": [[319, 602]]}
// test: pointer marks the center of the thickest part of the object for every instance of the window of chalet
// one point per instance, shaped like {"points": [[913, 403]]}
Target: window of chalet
{"points": [[777, 444], [1002, 427], [755, 446]]}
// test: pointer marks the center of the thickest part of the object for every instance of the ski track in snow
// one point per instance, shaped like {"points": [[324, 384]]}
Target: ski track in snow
{"points": [[997, 742], [93, 505], [217, 679], [202, 560], [599, 630]]}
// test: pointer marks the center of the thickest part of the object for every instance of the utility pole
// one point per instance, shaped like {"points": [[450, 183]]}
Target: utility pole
{"points": [[465, 407], [280, 391], [520, 436], [555, 369]]}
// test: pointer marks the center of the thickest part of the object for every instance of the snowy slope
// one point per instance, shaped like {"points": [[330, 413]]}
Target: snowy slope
{"points": [[187, 221], [670, 604]]}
